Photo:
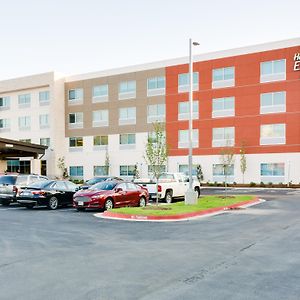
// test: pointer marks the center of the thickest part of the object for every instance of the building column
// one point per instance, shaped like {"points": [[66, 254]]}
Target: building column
{"points": [[3, 166], [36, 166]]}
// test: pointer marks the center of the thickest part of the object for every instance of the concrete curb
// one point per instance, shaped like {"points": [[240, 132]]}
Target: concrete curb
{"points": [[181, 217]]}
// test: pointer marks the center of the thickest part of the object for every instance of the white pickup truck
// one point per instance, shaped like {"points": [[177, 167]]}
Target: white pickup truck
{"points": [[170, 186]]}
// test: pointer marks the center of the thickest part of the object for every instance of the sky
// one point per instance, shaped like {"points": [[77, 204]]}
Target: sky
{"points": [[81, 36]]}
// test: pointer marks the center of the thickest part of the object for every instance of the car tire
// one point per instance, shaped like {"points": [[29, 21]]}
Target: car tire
{"points": [[168, 197], [197, 190], [142, 202], [53, 203], [109, 204], [80, 208]]}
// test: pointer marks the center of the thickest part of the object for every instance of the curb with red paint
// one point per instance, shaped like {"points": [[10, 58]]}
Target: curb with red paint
{"points": [[185, 216]]}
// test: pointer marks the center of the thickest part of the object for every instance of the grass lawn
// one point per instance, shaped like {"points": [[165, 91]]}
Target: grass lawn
{"points": [[204, 203]]}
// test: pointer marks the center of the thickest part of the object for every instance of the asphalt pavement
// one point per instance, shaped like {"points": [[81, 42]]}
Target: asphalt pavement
{"points": [[244, 254]]}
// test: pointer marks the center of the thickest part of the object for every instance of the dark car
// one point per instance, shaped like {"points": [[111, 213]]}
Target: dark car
{"points": [[109, 194], [10, 186], [98, 179], [50, 193]]}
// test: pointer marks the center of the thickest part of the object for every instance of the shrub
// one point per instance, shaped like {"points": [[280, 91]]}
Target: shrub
{"points": [[262, 184], [252, 184]]}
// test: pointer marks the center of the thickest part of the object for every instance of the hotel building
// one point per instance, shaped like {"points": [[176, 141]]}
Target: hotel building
{"points": [[246, 98]]}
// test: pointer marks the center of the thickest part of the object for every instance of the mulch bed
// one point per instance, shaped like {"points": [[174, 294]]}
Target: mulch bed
{"points": [[156, 208], [225, 197]]}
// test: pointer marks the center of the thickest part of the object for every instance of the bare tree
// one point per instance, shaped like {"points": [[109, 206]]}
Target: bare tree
{"points": [[61, 164], [243, 161], [156, 153], [227, 159], [136, 173], [199, 174], [106, 163]]}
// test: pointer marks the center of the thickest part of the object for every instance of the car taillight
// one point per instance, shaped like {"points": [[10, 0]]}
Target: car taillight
{"points": [[159, 188], [40, 193], [15, 189]]}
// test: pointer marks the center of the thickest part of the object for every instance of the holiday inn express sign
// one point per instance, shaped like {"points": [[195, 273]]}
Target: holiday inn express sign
{"points": [[297, 62]]}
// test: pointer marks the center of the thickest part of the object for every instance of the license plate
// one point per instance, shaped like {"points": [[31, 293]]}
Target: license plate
{"points": [[80, 203]]}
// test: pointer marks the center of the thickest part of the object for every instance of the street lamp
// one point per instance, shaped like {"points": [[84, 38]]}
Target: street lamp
{"points": [[191, 195]]}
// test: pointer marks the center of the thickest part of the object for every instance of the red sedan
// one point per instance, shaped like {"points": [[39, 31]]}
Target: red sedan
{"points": [[110, 194]]}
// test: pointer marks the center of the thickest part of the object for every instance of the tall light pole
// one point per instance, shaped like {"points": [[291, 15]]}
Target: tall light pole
{"points": [[191, 195]]}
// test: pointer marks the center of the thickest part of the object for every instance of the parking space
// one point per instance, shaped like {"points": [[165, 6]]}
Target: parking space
{"points": [[65, 254]]}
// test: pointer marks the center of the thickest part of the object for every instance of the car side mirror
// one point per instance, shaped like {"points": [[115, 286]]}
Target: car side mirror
{"points": [[77, 189], [118, 190]]}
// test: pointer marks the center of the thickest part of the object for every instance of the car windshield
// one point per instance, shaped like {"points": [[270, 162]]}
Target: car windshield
{"points": [[40, 184], [105, 186], [8, 179], [95, 180]]}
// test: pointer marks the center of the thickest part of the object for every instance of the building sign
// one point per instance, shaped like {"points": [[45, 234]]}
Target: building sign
{"points": [[297, 62]]}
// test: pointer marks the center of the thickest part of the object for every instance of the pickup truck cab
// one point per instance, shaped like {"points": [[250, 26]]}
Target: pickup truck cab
{"points": [[170, 186]]}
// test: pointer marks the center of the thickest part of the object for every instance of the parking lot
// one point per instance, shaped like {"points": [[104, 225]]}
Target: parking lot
{"points": [[65, 254]]}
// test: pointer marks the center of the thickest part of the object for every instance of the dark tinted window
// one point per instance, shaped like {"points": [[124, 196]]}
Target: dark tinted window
{"points": [[40, 184], [96, 180], [22, 180], [131, 186], [105, 185], [59, 185], [8, 179], [71, 186]]}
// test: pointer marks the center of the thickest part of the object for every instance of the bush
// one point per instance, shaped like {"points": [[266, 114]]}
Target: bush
{"points": [[77, 181], [270, 183], [252, 184], [262, 184]]}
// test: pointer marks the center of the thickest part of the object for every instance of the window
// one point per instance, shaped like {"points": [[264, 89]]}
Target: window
{"points": [[75, 96], [127, 115], [100, 93], [184, 82], [223, 77], [76, 120], [272, 70], [45, 141], [21, 166], [156, 86], [185, 169], [24, 100], [127, 89], [272, 134], [127, 170], [223, 137], [184, 108], [24, 123], [219, 172], [272, 172], [44, 121], [4, 125], [127, 141], [272, 102], [223, 107], [76, 171], [183, 138], [100, 118], [156, 113], [4, 103], [75, 142], [152, 168], [101, 140], [44, 97], [101, 170]]}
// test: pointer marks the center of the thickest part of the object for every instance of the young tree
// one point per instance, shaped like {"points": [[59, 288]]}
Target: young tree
{"points": [[61, 164], [136, 173], [243, 161], [199, 173], [156, 153], [227, 159], [106, 163]]}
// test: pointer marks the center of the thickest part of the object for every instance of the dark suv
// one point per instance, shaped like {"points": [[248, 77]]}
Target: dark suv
{"points": [[10, 185]]}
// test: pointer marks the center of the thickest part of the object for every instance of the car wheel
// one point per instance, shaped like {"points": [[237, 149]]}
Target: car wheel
{"points": [[80, 208], [198, 192], [168, 197], [6, 203], [109, 204], [53, 203], [29, 206], [142, 202]]}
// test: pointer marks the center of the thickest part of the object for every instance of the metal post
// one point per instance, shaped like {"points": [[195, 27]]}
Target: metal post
{"points": [[191, 195]]}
